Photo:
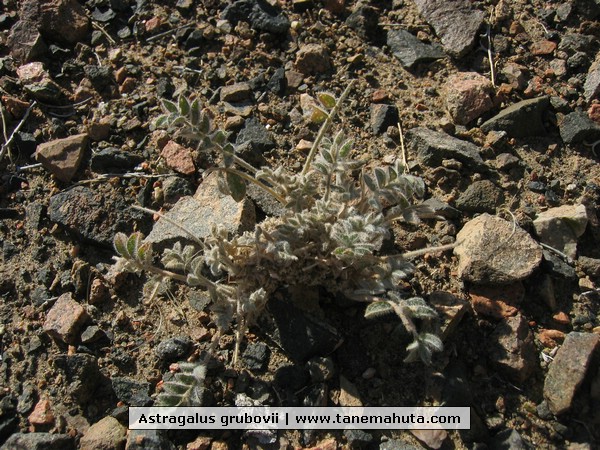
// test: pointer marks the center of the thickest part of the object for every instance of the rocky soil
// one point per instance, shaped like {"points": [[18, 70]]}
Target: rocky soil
{"points": [[494, 103]]}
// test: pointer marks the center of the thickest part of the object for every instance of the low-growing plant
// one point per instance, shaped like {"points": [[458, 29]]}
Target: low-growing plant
{"points": [[337, 216]]}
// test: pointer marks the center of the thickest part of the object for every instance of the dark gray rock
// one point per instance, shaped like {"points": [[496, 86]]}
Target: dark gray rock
{"points": [[512, 350], [261, 15], [358, 438], [132, 392], [383, 116], [293, 377], [591, 266], [300, 335], [256, 135], [575, 42], [397, 444], [568, 370], [148, 440], [82, 373], [174, 349], [113, 160], [39, 441], [578, 127], [365, 21], [508, 439], [521, 119], [91, 215], [556, 267], [27, 399], [409, 50], [455, 22], [277, 84], [591, 88], [479, 197], [26, 143], [256, 356], [176, 187], [100, 76], [321, 368], [432, 147], [543, 411], [441, 208], [92, 334], [25, 42]]}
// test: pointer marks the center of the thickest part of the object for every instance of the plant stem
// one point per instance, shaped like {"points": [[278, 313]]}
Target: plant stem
{"points": [[325, 128]]}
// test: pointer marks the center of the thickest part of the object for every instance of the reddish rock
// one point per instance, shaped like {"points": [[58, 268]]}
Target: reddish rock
{"points": [[594, 113], [129, 85], [107, 434], [543, 47], [99, 130], [63, 21], [15, 106], [62, 157], [467, 96], [178, 158], [98, 292], [313, 59], [65, 318], [380, 96], [551, 338], [497, 302], [561, 318], [31, 72], [25, 42], [42, 418], [335, 6], [153, 25]]}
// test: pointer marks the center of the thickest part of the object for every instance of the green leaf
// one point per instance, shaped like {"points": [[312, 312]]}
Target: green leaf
{"points": [[195, 112], [326, 99], [228, 152], [237, 186], [381, 177], [219, 137], [170, 106], [184, 105], [345, 148], [432, 341], [318, 115], [161, 121], [120, 243], [133, 244], [326, 154], [370, 183], [204, 125], [377, 309]]}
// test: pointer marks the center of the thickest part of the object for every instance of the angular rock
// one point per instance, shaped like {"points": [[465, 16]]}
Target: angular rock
{"points": [[173, 349], [493, 251], [578, 127], [513, 351], [208, 207], [62, 157], [256, 136], [568, 370], [442, 209], [113, 160], [178, 158], [521, 119], [149, 440], [431, 438], [591, 88], [261, 15], [432, 147], [299, 335], [25, 42], [132, 392], [92, 215], [349, 395], [42, 417], [591, 266], [39, 441], [410, 50], [543, 47], [365, 21], [480, 196], [236, 92], [63, 21], [256, 356], [106, 434], [382, 117], [65, 318], [456, 23], [313, 59], [561, 227], [467, 96]]}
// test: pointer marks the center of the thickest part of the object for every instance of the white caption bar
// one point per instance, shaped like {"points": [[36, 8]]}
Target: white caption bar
{"points": [[299, 418]]}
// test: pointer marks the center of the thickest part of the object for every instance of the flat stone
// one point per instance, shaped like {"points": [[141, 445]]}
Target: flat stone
{"points": [[173, 349], [113, 160], [456, 22], [178, 158], [543, 47], [480, 196], [39, 441], [591, 266], [92, 215], [382, 117], [207, 208], [512, 349], [132, 392], [261, 15], [42, 417], [364, 20], [494, 251], [63, 21], [497, 302], [561, 227], [256, 356], [236, 92], [591, 87], [65, 318], [432, 147], [578, 127], [256, 136], [410, 50], [467, 96], [106, 434], [349, 395], [550, 338], [313, 59], [25, 42], [82, 374], [62, 157], [568, 370], [522, 119]]}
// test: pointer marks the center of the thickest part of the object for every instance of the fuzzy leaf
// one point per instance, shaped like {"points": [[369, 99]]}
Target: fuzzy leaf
{"points": [[195, 112], [184, 105], [318, 115], [170, 106], [381, 177], [236, 185], [120, 242], [161, 121], [377, 309], [326, 99], [133, 244]]}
